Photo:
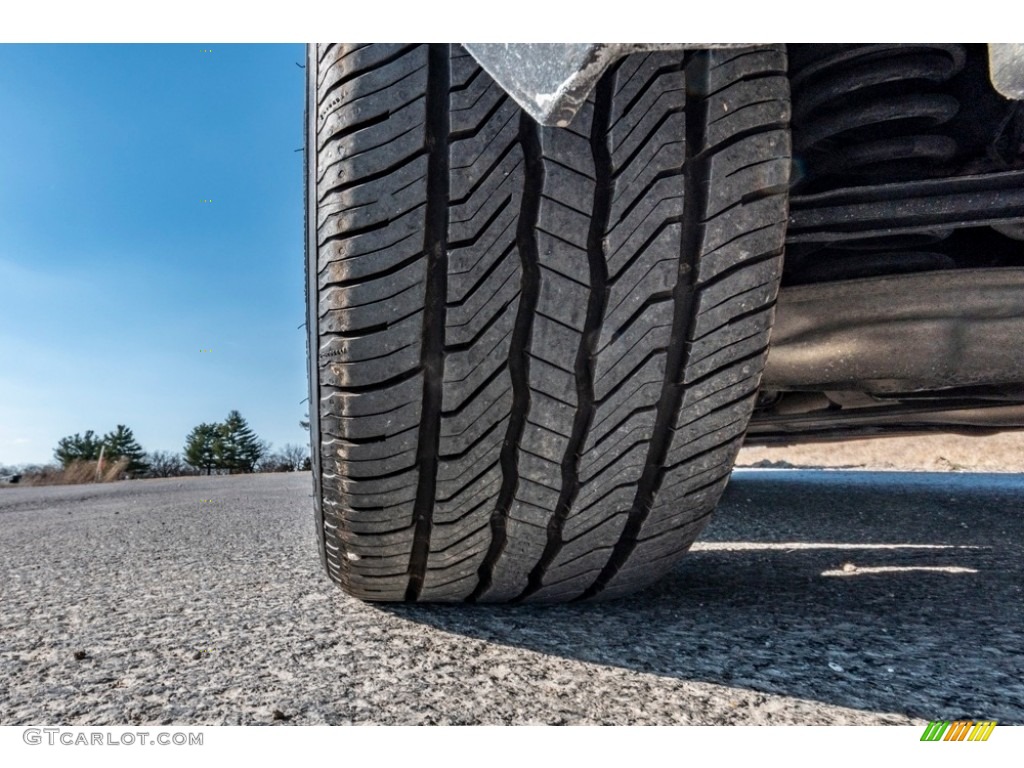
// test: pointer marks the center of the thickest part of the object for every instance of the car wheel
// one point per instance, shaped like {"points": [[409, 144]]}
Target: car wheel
{"points": [[534, 351]]}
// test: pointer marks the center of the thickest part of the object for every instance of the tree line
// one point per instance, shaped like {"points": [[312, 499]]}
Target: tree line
{"points": [[230, 446]]}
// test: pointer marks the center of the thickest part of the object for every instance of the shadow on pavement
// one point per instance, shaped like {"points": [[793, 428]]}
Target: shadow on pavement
{"points": [[804, 585]]}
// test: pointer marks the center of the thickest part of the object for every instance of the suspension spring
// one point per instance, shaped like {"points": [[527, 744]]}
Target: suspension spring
{"points": [[873, 112], [865, 114]]}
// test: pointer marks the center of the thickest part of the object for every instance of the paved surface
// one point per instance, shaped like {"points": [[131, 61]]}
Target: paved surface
{"points": [[201, 601]]}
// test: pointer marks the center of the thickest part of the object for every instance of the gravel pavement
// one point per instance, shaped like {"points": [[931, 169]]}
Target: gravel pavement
{"points": [[809, 599]]}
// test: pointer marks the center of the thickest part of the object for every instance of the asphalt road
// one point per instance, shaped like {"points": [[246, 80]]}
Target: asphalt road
{"points": [[809, 599]]}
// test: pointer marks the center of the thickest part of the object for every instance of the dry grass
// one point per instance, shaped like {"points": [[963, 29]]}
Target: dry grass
{"points": [[77, 472]]}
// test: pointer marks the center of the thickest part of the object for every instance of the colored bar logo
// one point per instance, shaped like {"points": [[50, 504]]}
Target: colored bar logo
{"points": [[958, 730]]}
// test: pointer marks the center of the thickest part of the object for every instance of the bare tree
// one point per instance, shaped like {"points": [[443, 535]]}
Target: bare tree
{"points": [[167, 464], [290, 458], [294, 456]]}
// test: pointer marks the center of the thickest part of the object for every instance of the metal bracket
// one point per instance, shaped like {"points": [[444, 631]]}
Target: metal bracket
{"points": [[1006, 69], [906, 206]]}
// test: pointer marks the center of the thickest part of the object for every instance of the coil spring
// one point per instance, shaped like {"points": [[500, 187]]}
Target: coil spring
{"points": [[873, 111], [870, 114]]}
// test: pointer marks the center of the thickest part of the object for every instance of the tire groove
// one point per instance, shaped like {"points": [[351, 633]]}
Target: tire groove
{"points": [[642, 195], [736, 138], [452, 457], [470, 292], [436, 248], [613, 284], [359, 389], [585, 356], [518, 359], [736, 319], [666, 221], [614, 428], [489, 172], [654, 76], [657, 297], [323, 118], [471, 241], [684, 317], [473, 395], [380, 249], [373, 275], [353, 74], [354, 127], [655, 129], [370, 177], [731, 364], [725, 347], [761, 74], [460, 518], [486, 306], [362, 230], [470, 133], [628, 378], [468, 484], [465, 86]]}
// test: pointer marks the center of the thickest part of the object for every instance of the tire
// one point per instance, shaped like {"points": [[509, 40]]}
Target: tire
{"points": [[534, 352]]}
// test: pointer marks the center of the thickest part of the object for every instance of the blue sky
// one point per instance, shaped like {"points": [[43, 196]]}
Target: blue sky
{"points": [[114, 273]]}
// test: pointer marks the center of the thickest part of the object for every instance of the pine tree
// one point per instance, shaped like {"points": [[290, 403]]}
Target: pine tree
{"points": [[201, 447], [225, 451], [78, 447], [121, 443], [238, 448]]}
